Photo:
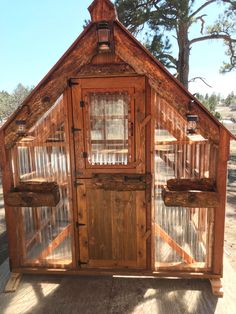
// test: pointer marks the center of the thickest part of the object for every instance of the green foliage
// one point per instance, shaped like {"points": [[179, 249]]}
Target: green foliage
{"points": [[210, 102], [161, 48], [141, 15], [10, 102], [5, 100], [230, 99], [166, 20]]}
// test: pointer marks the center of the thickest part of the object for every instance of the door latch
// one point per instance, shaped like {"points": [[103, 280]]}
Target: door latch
{"points": [[79, 224], [73, 129]]}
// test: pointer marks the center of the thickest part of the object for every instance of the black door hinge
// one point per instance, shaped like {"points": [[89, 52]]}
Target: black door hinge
{"points": [[71, 82], [76, 183], [85, 155], [77, 224], [73, 129], [82, 263], [82, 104]]}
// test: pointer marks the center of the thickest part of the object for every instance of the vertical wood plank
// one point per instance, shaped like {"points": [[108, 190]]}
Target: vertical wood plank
{"points": [[123, 227], [213, 160], [10, 214], [78, 123], [140, 109], [99, 224], [210, 239], [221, 184], [82, 219], [150, 168], [68, 106], [21, 236], [141, 228], [14, 153]]}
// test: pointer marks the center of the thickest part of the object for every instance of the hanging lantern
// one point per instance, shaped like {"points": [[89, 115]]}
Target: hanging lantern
{"points": [[21, 127], [192, 123], [104, 34]]}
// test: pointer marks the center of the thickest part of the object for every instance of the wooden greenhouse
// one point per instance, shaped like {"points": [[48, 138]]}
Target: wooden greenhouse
{"points": [[110, 166]]}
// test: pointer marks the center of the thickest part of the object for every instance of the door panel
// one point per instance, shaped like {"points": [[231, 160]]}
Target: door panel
{"points": [[99, 224], [109, 141], [112, 224]]}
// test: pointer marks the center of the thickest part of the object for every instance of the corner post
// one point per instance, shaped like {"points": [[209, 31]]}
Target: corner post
{"points": [[221, 185], [10, 214]]}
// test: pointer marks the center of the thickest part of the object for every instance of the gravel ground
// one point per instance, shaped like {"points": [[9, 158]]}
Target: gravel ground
{"points": [[230, 222]]}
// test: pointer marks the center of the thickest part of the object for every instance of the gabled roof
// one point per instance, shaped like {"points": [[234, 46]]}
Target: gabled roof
{"points": [[80, 53]]}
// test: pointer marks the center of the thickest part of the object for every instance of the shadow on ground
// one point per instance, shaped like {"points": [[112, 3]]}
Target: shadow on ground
{"points": [[3, 247], [38, 295]]}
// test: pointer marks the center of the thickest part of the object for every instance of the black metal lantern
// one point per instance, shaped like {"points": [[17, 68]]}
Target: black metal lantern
{"points": [[21, 127], [192, 123], [104, 35]]}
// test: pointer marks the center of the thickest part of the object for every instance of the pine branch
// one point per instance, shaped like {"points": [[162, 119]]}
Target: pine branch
{"points": [[213, 36], [201, 18], [201, 8], [172, 60], [199, 78]]}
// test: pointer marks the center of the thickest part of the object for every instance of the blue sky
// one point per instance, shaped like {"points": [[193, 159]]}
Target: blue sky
{"points": [[34, 34]]}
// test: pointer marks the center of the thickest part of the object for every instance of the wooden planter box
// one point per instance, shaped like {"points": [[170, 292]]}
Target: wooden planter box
{"points": [[198, 193], [34, 194]]}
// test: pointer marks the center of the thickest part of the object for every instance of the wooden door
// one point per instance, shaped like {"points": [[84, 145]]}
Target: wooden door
{"points": [[110, 171]]}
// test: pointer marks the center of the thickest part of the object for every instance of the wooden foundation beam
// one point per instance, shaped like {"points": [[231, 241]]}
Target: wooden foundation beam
{"points": [[13, 282], [217, 287]]}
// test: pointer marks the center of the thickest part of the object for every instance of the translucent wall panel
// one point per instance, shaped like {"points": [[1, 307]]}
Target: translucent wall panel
{"points": [[183, 236], [43, 155]]}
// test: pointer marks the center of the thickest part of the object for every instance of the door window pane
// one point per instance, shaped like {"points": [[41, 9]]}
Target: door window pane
{"points": [[110, 128]]}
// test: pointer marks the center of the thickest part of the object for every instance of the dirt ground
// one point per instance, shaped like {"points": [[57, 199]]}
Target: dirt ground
{"points": [[230, 222]]}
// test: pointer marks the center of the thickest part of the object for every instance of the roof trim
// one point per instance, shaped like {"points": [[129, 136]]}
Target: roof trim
{"points": [[160, 65]]}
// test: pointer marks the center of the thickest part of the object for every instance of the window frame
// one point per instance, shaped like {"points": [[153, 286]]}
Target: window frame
{"points": [[131, 126]]}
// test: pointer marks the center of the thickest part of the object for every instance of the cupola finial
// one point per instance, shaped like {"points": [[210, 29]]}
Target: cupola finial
{"points": [[102, 10]]}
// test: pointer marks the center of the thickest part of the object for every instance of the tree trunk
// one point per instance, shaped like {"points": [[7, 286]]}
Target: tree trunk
{"points": [[184, 52]]}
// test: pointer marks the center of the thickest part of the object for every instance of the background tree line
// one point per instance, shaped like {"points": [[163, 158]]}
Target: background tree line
{"points": [[10, 101], [212, 101]]}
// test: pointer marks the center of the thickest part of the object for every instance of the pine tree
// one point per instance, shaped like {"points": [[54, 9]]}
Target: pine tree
{"points": [[160, 19]]}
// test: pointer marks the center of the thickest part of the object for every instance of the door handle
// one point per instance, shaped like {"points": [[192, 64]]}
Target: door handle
{"points": [[130, 178]]}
